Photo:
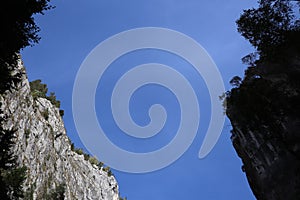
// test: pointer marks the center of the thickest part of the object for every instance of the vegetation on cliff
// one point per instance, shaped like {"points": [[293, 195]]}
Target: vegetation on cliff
{"points": [[263, 107], [11, 176], [39, 89], [18, 30]]}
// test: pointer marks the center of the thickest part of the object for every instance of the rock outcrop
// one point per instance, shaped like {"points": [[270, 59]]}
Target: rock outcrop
{"points": [[264, 113], [44, 148]]}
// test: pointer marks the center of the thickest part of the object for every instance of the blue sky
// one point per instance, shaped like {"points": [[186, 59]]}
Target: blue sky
{"points": [[71, 30]]}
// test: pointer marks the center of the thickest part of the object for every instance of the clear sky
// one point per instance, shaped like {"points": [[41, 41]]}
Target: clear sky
{"points": [[71, 30]]}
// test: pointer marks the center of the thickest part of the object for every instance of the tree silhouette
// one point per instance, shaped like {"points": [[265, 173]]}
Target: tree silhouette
{"points": [[269, 26], [18, 30], [11, 176], [264, 107]]}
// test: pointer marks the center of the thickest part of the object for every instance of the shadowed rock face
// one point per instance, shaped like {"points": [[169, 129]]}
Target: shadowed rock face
{"points": [[265, 116], [44, 148]]}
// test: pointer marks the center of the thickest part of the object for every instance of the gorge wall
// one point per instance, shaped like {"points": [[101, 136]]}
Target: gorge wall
{"points": [[44, 148], [264, 113]]}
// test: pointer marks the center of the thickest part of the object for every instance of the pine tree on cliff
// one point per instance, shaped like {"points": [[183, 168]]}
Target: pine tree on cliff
{"points": [[18, 30], [11, 176]]}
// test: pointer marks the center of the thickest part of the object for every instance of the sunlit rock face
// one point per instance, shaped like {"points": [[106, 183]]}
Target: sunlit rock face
{"points": [[44, 148], [264, 113]]}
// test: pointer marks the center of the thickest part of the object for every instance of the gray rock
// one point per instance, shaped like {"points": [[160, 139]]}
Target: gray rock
{"points": [[44, 148]]}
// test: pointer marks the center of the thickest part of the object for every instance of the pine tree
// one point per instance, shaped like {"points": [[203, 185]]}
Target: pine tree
{"points": [[18, 30], [12, 177]]}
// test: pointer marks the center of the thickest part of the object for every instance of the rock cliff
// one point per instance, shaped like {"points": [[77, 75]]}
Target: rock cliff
{"points": [[263, 107], [44, 148], [264, 113]]}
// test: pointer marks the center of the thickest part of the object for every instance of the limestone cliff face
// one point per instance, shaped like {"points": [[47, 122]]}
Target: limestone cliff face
{"points": [[264, 113], [44, 148]]}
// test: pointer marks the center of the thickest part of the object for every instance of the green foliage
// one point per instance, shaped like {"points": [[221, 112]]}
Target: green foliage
{"points": [[13, 179], [72, 147], [58, 193], [61, 113], [38, 89], [109, 173], [236, 81], [273, 30], [107, 169], [263, 104], [11, 176], [86, 156], [45, 114], [29, 193], [48, 157], [53, 100], [8, 79], [79, 151], [100, 165], [27, 133], [18, 28], [269, 26], [93, 161]]}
